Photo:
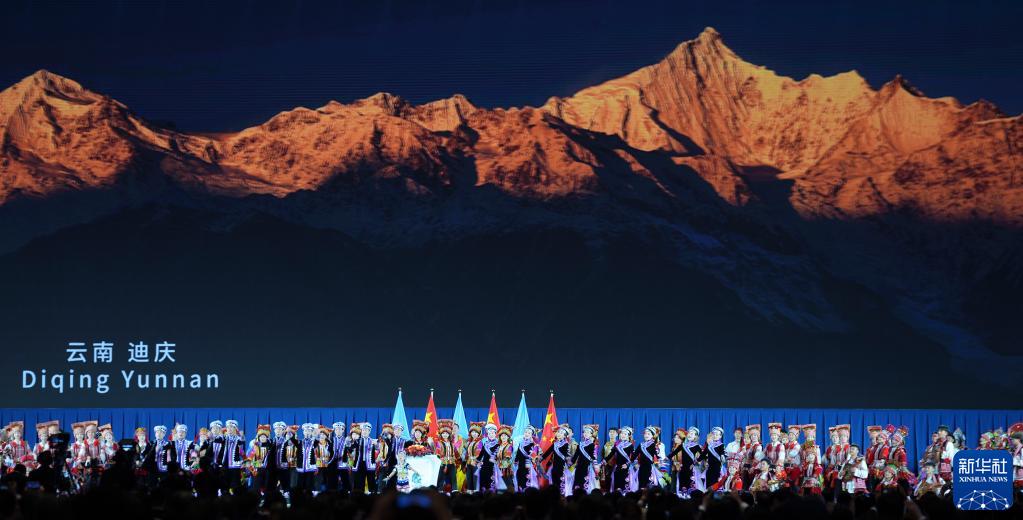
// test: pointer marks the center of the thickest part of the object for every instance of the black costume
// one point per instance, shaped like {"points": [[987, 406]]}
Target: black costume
{"points": [[587, 454], [619, 459], [715, 453], [559, 453]]}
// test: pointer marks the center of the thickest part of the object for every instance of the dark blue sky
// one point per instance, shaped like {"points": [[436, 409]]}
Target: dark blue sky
{"points": [[234, 64]]}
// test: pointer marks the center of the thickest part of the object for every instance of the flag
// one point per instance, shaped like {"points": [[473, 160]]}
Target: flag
{"points": [[550, 427], [492, 417], [459, 417], [521, 420], [431, 418], [399, 416], [463, 429]]}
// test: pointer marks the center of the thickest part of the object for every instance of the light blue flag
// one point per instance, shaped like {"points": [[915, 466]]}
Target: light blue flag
{"points": [[521, 421], [459, 418], [399, 416]]}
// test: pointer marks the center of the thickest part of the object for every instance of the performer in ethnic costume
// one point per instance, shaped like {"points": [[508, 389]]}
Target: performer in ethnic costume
{"points": [[890, 481], [930, 481], [736, 448], [811, 480], [715, 450], [946, 452], [233, 457], [853, 472], [340, 476], [471, 458], [43, 437], [620, 460], [323, 454], [560, 454], [877, 455], [400, 474], [774, 452], [388, 446], [181, 449], [145, 458], [76, 451], [587, 458], [1016, 448], [365, 471], [16, 450], [161, 455], [731, 479], [793, 459], [810, 444], [353, 456], [762, 475], [305, 468], [216, 451], [505, 456], [754, 453], [420, 429], [648, 457], [258, 458], [687, 457], [486, 459], [447, 477], [527, 460], [834, 457], [93, 445], [108, 447], [280, 472], [897, 456], [605, 470]]}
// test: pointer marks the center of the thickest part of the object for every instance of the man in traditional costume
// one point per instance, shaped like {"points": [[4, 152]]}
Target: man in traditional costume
{"points": [[853, 472], [305, 468], [340, 477], [279, 472], [182, 450], [364, 466]]}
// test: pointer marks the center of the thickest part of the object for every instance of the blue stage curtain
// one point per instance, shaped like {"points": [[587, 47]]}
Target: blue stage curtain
{"points": [[920, 422]]}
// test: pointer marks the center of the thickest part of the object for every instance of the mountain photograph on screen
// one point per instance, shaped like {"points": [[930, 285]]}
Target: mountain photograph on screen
{"points": [[673, 236]]}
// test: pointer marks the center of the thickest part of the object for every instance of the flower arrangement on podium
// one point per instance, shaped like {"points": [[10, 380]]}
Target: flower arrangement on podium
{"points": [[417, 450]]}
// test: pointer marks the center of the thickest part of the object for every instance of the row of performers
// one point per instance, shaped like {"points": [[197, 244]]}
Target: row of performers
{"points": [[330, 458]]}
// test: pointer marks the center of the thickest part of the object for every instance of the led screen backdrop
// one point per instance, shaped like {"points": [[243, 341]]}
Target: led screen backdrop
{"points": [[635, 204]]}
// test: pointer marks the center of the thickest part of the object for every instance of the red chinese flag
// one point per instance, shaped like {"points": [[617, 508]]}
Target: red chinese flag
{"points": [[550, 427], [431, 418], [492, 417]]}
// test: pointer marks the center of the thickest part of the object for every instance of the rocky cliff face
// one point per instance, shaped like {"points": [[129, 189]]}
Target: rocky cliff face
{"points": [[778, 189]]}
